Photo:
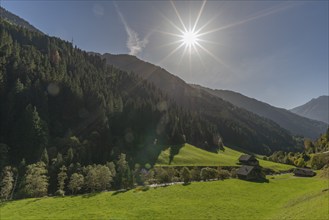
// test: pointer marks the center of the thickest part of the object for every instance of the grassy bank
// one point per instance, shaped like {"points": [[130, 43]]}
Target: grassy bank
{"points": [[189, 155], [284, 197]]}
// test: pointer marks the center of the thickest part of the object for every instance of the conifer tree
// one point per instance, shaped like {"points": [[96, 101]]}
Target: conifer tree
{"points": [[45, 157], [61, 177], [59, 159], [69, 156], [122, 171], [3, 155]]}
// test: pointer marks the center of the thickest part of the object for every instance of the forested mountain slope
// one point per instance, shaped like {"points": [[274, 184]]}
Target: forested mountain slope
{"points": [[296, 124], [237, 126], [54, 96], [14, 19]]}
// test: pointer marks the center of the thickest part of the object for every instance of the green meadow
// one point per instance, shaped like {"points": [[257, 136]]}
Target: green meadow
{"points": [[189, 155], [284, 197]]}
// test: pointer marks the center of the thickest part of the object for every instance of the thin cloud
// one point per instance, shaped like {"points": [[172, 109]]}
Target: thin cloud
{"points": [[98, 10], [134, 43]]}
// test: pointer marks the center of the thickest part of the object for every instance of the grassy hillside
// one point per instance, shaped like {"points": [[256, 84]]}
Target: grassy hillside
{"points": [[192, 156], [284, 197]]}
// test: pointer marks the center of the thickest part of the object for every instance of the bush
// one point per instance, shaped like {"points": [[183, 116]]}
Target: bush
{"points": [[325, 172], [195, 174], [151, 181], [318, 161], [208, 173], [233, 173], [175, 179], [185, 175], [223, 174], [300, 162], [162, 175], [147, 176], [60, 192], [173, 174]]}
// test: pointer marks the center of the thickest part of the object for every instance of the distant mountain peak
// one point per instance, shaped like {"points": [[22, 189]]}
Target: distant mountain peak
{"points": [[296, 124], [317, 109]]}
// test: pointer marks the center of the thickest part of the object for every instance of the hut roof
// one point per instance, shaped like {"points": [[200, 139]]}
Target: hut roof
{"points": [[244, 170], [304, 172], [246, 157]]}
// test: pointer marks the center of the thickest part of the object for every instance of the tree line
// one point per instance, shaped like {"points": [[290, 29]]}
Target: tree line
{"points": [[313, 154], [41, 178]]}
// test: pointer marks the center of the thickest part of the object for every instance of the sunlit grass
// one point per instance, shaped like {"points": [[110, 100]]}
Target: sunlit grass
{"points": [[284, 197], [192, 156]]}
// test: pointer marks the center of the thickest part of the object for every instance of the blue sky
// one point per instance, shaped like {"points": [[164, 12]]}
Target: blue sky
{"points": [[276, 52]]}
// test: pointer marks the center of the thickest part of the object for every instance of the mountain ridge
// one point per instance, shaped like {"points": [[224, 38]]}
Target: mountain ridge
{"points": [[296, 124], [316, 109], [14, 19], [237, 126]]}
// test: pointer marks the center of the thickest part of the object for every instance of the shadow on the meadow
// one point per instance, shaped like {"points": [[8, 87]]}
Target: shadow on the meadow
{"points": [[120, 191]]}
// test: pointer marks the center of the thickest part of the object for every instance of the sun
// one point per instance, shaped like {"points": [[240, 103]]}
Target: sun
{"points": [[189, 35], [189, 38]]}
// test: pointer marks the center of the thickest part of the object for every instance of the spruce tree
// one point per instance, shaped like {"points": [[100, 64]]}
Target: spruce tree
{"points": [[3, 155], [69, 156], [122, 168], [45, 157], [61, 177]]}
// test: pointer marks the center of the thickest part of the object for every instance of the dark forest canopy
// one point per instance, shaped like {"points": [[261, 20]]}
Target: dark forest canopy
{"points": [[55, 96]]}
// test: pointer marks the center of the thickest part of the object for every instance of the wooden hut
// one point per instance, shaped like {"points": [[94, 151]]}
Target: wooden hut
{"points": [[248, 160], [247, 172], [306, 172]]}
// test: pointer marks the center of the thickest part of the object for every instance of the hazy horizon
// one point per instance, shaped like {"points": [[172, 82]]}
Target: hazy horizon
{"points": [[276, 52]]}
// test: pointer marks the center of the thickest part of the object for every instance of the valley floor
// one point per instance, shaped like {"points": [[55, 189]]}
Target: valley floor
{"points": [[284, 197]]}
